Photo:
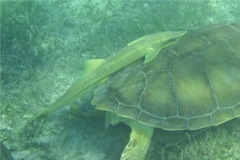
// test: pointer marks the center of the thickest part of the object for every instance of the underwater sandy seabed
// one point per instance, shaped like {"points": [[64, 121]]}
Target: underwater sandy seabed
{"points": [[65, 137]]}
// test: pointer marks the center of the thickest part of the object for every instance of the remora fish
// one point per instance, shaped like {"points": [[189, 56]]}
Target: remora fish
{"points": [[148, 47]]}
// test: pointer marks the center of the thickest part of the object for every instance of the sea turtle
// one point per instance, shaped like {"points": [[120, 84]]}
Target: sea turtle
{"points": [[194, 83], [185, 81]]}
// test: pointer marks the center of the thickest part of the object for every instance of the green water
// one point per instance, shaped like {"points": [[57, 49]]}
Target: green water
{"points": [[43, 47]]}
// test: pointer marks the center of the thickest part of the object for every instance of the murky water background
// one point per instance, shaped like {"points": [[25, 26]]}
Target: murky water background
{"points": [[43, 47]]}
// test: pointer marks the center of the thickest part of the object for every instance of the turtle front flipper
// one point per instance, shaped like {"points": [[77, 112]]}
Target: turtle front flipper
{"points": [[139, 142]]}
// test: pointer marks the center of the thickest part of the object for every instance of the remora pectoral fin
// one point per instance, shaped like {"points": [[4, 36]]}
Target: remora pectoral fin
{"points": [[150, 54], [154, 49]]}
